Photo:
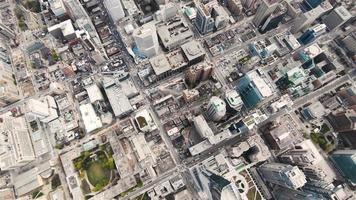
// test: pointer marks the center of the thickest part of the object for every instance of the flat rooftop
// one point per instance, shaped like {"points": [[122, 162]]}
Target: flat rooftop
{"points": [[160, 64], [193, 49], [174, 33], [90, 119]]}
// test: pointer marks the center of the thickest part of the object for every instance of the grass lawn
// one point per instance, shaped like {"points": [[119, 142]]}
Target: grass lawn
{"points": [[97, 175]]}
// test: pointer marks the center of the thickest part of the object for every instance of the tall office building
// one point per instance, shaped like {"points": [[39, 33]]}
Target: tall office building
{"points": [[311, 33], [235, 7], [304, 20], [115, 9], [216, 109], [273, 20], [345, 162], [311, 4], [337, 17], [233, 101], [301, 157], [220, 188], [58, 8], [283, 174], [349, 42], [8, 90], [146, 40], [203, 21], [6, 32], [282, 193], [253, 89], [16, 146], [210, 16], [265, 9]]}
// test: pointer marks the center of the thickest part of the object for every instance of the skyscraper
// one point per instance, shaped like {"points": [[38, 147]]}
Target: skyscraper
{"points": [[146, 40], [306, 19], [220, 188], [8, 90], [253, 89], [115, 9], [337, 17], [283, 174], [282, 193], [216, 109], [272, 21], [203, 21], [210, 16], [345, 161], [6, 32], [266, 8]]}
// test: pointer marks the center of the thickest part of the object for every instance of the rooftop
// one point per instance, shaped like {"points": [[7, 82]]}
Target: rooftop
{"points": [[193, 49], [260, 84], [174, 33], [160, 64], [90, 118]]}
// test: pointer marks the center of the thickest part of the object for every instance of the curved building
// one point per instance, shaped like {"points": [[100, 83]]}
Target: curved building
{"points": [[216, 109]]}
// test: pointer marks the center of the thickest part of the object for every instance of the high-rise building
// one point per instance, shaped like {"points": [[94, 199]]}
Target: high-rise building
{"points": [[216, 109], [273, 20], [16, 146], [234, 6], [210, 16], [311, 4], [301, 157], [283, 174], [8, 90], [343, 121], [233, 101], [199, 72], [203, 21], [337, 17], [253, 89], [304, 20], [146, 40], [168, 11], [349, 42], [345, 162], [58, 8], [115, 9], [6, 32], [282, 193], [265, 9], [220, 188], [310, 34]]}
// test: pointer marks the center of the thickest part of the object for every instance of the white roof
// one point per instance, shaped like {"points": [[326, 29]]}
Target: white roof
{"points": [[343, 13], [38, 107], [202, 127], [66, 27], [261, 85], [160, 64], [94, 93], [200, 147], [140, 145], [90, 119], [115, 9]]}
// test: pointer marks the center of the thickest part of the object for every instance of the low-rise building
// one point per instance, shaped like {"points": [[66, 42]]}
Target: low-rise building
{"points": [[173, 34], [91, 120], [193, 51], [161, 66]]}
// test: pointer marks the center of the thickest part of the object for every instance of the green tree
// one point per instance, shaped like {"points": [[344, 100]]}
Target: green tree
{"points": [[78, 165], [55, 182]]}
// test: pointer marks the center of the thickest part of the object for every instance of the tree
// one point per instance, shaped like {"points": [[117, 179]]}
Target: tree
{"points": [[55, 182], [33, 6], [110, 163], [78, 165]]}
